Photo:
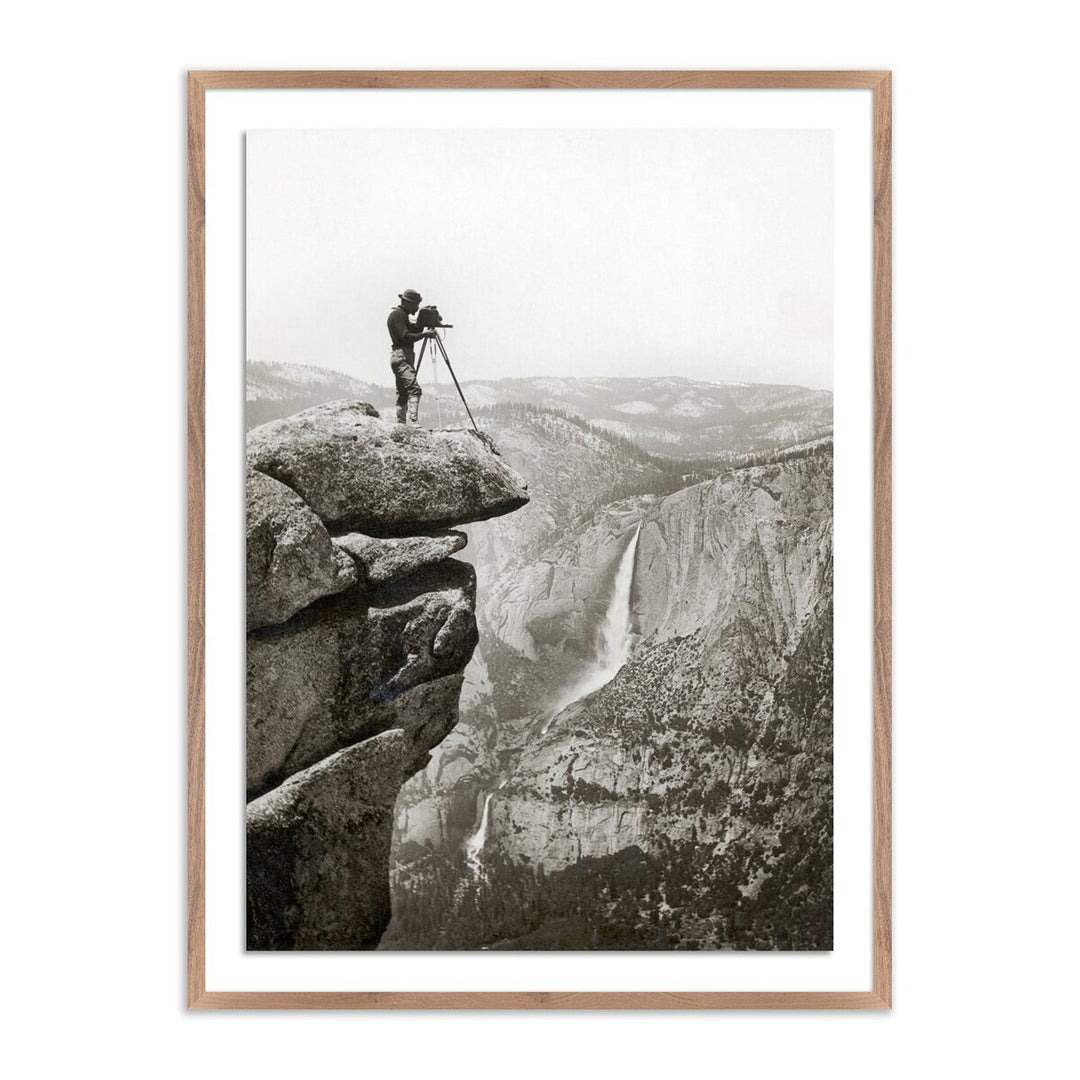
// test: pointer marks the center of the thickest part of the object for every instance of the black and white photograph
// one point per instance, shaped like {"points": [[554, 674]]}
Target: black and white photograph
{"points": [[539, 539]]}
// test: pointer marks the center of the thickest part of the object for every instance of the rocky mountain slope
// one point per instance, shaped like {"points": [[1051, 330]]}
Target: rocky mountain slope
{"points": [[732, 604], [709, 754], [686, 802], [359, 629]]}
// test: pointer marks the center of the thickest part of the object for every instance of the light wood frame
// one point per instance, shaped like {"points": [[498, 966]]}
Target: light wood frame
{"points": [[880, 84]]}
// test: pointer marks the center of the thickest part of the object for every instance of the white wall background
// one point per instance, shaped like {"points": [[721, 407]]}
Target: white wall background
{"points": [[986, 354]]}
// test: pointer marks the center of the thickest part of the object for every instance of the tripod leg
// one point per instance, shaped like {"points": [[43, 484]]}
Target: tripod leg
{"points": [[446, 359], [423, 346]]}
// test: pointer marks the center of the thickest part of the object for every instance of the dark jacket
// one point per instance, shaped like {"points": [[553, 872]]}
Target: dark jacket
{"points": [[403, 333]]}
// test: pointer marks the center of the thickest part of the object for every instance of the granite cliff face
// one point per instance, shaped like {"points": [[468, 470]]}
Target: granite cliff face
{"points": [[740, 564], [360, 627], [728, 689], [708, 757]]}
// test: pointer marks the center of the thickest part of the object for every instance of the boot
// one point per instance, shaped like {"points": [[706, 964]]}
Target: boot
{"points": [[414, 409], [401, 414]]}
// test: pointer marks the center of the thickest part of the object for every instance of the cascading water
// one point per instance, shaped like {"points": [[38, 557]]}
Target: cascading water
{"points": [[475, 844], [613, 650], [615, 640]]}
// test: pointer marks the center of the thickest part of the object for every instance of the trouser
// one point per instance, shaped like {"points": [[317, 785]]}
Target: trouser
{"points": [[408, 389]]}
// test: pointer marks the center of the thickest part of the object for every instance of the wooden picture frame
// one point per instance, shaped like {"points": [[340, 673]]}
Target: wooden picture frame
{"points": [[879, 84]]}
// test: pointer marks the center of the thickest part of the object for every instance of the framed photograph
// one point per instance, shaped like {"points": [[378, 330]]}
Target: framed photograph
{"points": [[539, 540]]}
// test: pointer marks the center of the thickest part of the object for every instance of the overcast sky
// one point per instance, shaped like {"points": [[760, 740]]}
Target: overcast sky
{"points": [[704, 253]]}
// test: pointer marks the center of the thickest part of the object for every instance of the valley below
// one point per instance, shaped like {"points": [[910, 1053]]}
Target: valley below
{"points": [[643, 753]]}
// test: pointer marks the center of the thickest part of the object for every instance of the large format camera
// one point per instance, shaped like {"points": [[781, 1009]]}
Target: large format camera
{"points": [[428, 318]]}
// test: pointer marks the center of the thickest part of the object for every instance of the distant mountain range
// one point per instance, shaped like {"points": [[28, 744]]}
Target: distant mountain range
{"points": [[667, 415]]}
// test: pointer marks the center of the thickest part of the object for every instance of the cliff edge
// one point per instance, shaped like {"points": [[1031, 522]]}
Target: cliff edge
{"points": [[360, 627]]}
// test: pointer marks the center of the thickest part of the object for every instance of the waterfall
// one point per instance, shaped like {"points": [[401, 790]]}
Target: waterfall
{"points": [[612, 651], [615, 635], [613, 645], [475, 844]]}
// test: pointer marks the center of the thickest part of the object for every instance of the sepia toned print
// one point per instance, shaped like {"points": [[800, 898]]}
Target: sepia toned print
{"points": [[540, 585]]}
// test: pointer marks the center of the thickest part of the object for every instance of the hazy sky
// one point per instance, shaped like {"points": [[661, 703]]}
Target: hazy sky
{"points": [[705, 253]]}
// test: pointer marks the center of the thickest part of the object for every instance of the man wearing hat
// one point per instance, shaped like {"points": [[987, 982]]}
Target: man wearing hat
{"points": [[403, 334]]}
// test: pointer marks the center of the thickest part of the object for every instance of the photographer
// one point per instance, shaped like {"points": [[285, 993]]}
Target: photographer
{"points": [[403, 335]]}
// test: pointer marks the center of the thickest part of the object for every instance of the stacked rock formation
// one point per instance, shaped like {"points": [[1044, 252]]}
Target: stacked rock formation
{"points": [[360, 626]]}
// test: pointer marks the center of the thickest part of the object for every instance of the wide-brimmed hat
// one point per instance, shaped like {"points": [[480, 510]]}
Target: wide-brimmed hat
{"points": [[411, 295]]}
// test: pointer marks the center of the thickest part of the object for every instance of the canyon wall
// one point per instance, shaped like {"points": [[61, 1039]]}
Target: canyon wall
{"points": [[728, 689], [710, 751], [742, 565]]}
